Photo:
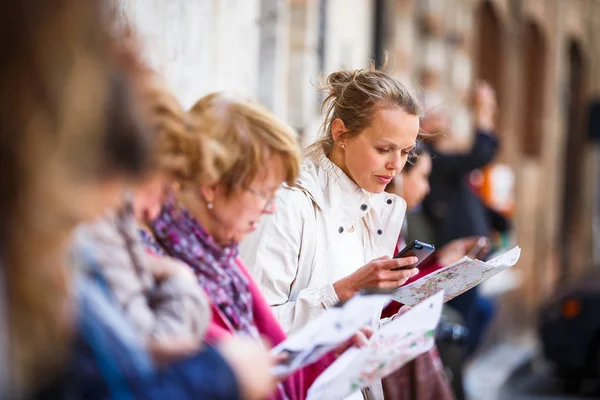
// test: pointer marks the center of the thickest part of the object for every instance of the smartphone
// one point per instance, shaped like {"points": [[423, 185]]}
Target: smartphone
{"points": [[418, 249]]}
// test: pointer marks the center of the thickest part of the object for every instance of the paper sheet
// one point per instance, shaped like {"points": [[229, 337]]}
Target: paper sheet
{"points": [[332, 328], [399, 342], [456, 278]]}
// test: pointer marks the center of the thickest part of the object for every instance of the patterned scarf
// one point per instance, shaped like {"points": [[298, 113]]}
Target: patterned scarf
{"points": [[182, 236]]}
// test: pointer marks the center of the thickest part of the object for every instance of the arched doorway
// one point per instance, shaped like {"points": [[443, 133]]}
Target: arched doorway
{"points": [[490, 47], [534, 76], [574, 148]]}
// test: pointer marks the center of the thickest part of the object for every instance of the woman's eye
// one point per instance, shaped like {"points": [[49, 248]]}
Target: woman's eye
{"points": [[383, 151]]}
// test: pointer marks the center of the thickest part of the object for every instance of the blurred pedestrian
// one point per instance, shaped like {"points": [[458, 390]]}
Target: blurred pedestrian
{"points": [[455, 210], [70, 141]]}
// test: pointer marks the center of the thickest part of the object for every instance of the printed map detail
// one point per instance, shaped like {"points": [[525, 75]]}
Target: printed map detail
{"points": [[400, 341], [456, 278]]}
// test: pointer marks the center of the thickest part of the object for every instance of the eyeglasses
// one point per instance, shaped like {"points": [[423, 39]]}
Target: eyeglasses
{"points": [[268, 199]]}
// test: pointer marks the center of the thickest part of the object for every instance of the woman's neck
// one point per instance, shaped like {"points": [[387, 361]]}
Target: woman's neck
{"points": [[146, 227], [337, 158], [199, 210]]}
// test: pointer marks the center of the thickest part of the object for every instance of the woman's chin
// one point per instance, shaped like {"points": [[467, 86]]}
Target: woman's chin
{"points": [[375, 188]]}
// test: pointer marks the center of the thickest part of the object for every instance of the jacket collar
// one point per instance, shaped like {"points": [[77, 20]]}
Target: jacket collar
{"points": [[332, 190]]}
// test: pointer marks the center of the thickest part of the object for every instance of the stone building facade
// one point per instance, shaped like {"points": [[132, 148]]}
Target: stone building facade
{"points": [[541, 56]]}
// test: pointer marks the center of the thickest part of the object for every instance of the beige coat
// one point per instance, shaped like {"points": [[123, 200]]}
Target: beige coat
{"points": [[291, 253], [297, 253], [176, 306]]}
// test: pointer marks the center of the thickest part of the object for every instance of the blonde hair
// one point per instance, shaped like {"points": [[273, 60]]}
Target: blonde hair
{"points": [[180, 154], [250, 133], [354, 96]]}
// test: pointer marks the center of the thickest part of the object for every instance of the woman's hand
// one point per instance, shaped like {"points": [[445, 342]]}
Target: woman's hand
{"points": [[485, 106], [359, 339], [382, 273], [455, 250], [252, 365], [165, 351]]}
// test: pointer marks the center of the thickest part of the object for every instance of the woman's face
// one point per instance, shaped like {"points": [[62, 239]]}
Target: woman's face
{"points": [[235, 215], [415, 182], [377, 154]]}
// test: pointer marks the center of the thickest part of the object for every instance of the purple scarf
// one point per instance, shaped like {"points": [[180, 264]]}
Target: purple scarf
{"points": [[182, 236]]}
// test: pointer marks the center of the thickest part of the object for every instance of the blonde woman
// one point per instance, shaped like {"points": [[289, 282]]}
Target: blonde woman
{"points": [[335, 228]]}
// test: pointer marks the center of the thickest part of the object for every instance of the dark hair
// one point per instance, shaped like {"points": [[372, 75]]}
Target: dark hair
{"points": [[419, 150]]}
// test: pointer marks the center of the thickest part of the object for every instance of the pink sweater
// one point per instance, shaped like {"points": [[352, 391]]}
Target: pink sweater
{"points": [[267, 326]]}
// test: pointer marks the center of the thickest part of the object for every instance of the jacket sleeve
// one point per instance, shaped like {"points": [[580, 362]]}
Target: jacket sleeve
{"points": [[179, 304], [108, 360], [175, 307], [483, 151], [117, 269], [204, 376], [272, 255]]}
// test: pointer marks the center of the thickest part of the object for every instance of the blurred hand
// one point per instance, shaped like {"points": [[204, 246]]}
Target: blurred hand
{"points": [[359, 339], [167, 350], [376, 274], [478, 247], [164, 268], [403, 310], [455, 250], [485, 106], [251, 364], [435, 122]]}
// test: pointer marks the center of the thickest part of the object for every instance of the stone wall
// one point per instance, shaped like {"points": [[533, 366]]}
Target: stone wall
{"points": [[276, 50]]}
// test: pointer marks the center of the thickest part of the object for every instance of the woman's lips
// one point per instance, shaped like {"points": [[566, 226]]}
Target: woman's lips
{"points": [[384, 179]]}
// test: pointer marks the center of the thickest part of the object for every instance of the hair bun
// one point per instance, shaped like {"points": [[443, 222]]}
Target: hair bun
{"points": [[338, 81]]}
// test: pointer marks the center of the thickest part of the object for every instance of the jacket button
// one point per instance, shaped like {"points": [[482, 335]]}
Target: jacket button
{"points": [[363, 207], [379, 232], [389, 201], [341, 229]]}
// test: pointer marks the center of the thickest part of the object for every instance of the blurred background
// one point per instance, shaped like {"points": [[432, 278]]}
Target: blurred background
{"points": [[541, 57]]}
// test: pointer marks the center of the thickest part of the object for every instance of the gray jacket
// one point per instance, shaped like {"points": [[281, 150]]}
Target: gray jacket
{"points": [[176, 306]]}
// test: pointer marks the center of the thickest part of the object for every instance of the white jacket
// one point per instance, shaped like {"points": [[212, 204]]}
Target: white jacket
{"points": [[297, 253]]}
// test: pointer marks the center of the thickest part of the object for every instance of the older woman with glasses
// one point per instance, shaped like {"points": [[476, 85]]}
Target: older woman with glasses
{"points": [[202, 223]]}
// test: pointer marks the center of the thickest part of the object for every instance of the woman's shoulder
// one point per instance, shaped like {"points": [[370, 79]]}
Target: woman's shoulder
{"points": [[293, 200]]}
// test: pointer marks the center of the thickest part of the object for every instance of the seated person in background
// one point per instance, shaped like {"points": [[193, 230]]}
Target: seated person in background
{"points": [[413, 186], [455, 211]]}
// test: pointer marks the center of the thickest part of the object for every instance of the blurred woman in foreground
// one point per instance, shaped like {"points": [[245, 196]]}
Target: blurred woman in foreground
{"points": [[70, 140]]}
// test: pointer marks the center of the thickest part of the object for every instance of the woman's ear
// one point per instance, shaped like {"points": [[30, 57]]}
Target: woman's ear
{"points": [[208, 193], [338, 128]]}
